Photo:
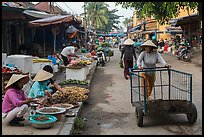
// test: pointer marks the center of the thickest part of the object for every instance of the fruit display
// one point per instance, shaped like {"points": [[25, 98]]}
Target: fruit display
{"points": [[7, 69], [69, 95], [77, 65], [73, 81]]}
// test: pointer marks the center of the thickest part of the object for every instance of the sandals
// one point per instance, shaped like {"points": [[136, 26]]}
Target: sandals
{"points": [[16, 122]]}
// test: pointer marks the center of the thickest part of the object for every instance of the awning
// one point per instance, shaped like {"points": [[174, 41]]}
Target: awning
{"points": [[150, 31], [54, 20], [37, 14], [187, 19], [184, 20], [135, 28]]}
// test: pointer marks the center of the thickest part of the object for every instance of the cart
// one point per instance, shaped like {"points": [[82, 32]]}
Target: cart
{"points": [[171, 93]]}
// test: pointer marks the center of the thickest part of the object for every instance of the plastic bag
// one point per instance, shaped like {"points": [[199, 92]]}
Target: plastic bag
{"points": [[121, 64]]}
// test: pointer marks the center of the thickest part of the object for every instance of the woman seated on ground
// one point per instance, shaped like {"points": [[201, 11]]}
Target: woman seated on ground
{"points": [[39, 89], [15, 103], [55, 86]]}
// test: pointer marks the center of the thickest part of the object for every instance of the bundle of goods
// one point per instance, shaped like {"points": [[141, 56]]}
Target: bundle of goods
{"points": [[36, 60]]}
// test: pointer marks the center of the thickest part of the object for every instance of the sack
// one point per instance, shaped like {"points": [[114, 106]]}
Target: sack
{"points": [[121, 64]]}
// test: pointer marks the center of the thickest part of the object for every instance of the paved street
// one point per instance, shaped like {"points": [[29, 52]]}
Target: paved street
{"points": [[109, 111]]}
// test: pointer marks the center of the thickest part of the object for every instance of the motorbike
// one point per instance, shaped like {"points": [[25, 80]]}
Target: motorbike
{"points": [[184, 53], [101, 58]]}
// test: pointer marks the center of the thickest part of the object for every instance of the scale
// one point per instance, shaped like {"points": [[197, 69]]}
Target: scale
{"points": [[33, 107]]}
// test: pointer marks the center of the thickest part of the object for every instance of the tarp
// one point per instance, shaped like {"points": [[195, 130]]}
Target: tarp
{"points": [[54, 20], [37, 14], [135, 28]]}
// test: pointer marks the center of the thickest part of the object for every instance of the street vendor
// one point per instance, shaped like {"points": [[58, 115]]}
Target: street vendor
{"points": [[15, 103], [40, 89], [68, 52], [55, 86]]}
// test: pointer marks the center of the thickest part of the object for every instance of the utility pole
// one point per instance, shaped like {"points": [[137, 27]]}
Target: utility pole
{"points": [[85, 25]]}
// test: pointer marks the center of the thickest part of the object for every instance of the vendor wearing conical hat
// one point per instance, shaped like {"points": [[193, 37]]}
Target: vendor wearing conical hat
{"points": [[128, 52], [15, 102], [40, 89], [148, 59]]}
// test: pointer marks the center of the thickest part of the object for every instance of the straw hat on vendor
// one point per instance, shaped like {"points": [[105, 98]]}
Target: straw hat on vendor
{"points": [[42, 76], [149, 43], [40, 90], [16, 78]]}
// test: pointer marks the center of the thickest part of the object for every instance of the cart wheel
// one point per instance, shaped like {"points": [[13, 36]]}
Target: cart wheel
{"points": [[139, 116], [192, 117]]}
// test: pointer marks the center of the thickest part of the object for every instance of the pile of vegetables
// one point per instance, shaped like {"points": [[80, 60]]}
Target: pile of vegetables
{"points": [[77, 64], [73, 81], [70, 94]]}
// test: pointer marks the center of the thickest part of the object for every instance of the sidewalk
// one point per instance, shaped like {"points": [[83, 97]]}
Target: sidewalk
{"points": [[63, 127]]}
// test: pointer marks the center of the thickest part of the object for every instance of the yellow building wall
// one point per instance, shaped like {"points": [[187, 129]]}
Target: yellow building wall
{"points": [[163, 27]]}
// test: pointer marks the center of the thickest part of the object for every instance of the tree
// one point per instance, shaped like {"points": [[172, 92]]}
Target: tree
{"points": [[96, 14], [127, 22], [161, 11], [113, 21]]}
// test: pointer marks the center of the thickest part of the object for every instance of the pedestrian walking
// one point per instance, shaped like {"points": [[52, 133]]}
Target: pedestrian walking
{"points": [[127, 54], [15, 103], [148, 59]]}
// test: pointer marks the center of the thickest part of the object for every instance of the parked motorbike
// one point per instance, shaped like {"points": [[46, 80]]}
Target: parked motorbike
{"points": [[184, 53]]}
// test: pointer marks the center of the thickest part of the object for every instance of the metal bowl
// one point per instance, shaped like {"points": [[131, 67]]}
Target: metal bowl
{"points": [[43, 124], [61, 110]]}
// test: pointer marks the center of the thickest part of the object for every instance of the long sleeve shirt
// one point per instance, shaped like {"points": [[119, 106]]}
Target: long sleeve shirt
{"points": [[38, 89], [128, 52], [13, 98], [149, 60]]}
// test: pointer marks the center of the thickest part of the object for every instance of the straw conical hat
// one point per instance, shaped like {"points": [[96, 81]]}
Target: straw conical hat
{"points": [[128, 42], [149, 43], [14, 78], [42, 75]]}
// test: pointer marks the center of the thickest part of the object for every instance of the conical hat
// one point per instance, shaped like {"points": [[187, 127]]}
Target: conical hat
{"points": [[42, 75], [128, 42], [149, 43], [14, 78]]}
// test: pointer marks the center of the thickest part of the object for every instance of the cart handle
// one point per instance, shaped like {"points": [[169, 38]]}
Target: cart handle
{"points": [[138, 70]]}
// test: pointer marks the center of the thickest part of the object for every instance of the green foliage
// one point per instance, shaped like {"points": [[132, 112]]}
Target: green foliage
{"points": [[105, 44], [161, 11], [79, 123]]}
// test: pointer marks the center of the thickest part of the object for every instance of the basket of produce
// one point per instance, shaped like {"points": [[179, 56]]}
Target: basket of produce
{"points": [[42, 121]]}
